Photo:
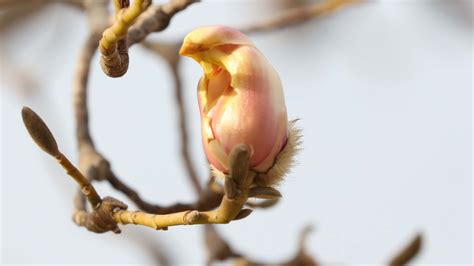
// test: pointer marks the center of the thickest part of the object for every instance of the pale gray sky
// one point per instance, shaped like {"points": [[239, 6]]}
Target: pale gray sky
{"points": [[384, 93]]}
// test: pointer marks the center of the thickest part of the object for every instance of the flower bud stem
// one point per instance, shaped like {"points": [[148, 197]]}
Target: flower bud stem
{"points": [[227, 211], [86, 187], [115, 212]]}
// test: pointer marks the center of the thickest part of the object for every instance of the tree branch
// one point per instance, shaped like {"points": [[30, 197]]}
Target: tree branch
{"points": [[208, 199], [113, 45], [117, 38], [169, 51], [296, 15], [155, 19], [91, 162], [107, 213], [408, 253]]}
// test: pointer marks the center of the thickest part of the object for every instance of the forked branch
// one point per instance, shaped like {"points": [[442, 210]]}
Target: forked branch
{"points": [[113, 45], [117, 38], [108, 212], [91, 162]]}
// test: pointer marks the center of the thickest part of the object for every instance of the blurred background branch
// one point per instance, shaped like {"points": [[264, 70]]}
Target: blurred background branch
{"points": [[96, 167], [296, 15]]}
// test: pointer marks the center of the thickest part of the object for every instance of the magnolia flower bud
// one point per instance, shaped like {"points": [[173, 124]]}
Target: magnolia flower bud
{"points": [[241, 102]]}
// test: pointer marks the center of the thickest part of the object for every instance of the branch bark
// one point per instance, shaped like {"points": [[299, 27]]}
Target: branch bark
{"points": [[118, 38], [408, 253]]}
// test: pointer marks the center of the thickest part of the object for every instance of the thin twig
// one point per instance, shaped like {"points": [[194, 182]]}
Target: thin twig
{"points": [[217, 247], [117, 38], [296, 15], [80, 83], [14, 3], [408, 253], [108, 212], [97, 15], [191, 172], [207, 200], [155, 19], [220, 250], [169, 51], [91, 162], [11, 15], [290, 17], [302, 257], [229, 209]]}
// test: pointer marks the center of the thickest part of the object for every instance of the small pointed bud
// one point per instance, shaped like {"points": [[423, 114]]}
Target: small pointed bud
{"points": [[264, 193], [39, 132], [239, 165], [230, 188], [243, 214], [264, 204]]}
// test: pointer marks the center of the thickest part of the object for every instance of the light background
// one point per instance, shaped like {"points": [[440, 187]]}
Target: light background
{"points": [[383, 90]]}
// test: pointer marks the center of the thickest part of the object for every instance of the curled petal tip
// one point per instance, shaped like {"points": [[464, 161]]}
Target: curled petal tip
{"points": [[190, 48]]}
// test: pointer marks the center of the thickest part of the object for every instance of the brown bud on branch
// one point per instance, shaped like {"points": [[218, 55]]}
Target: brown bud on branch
{"points": [[39, 132], [264, 193], [43, 137]]}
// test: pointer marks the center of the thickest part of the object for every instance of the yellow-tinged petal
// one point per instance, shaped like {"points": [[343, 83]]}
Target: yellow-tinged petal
{"points": [[240, 97], [205, 38]]}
